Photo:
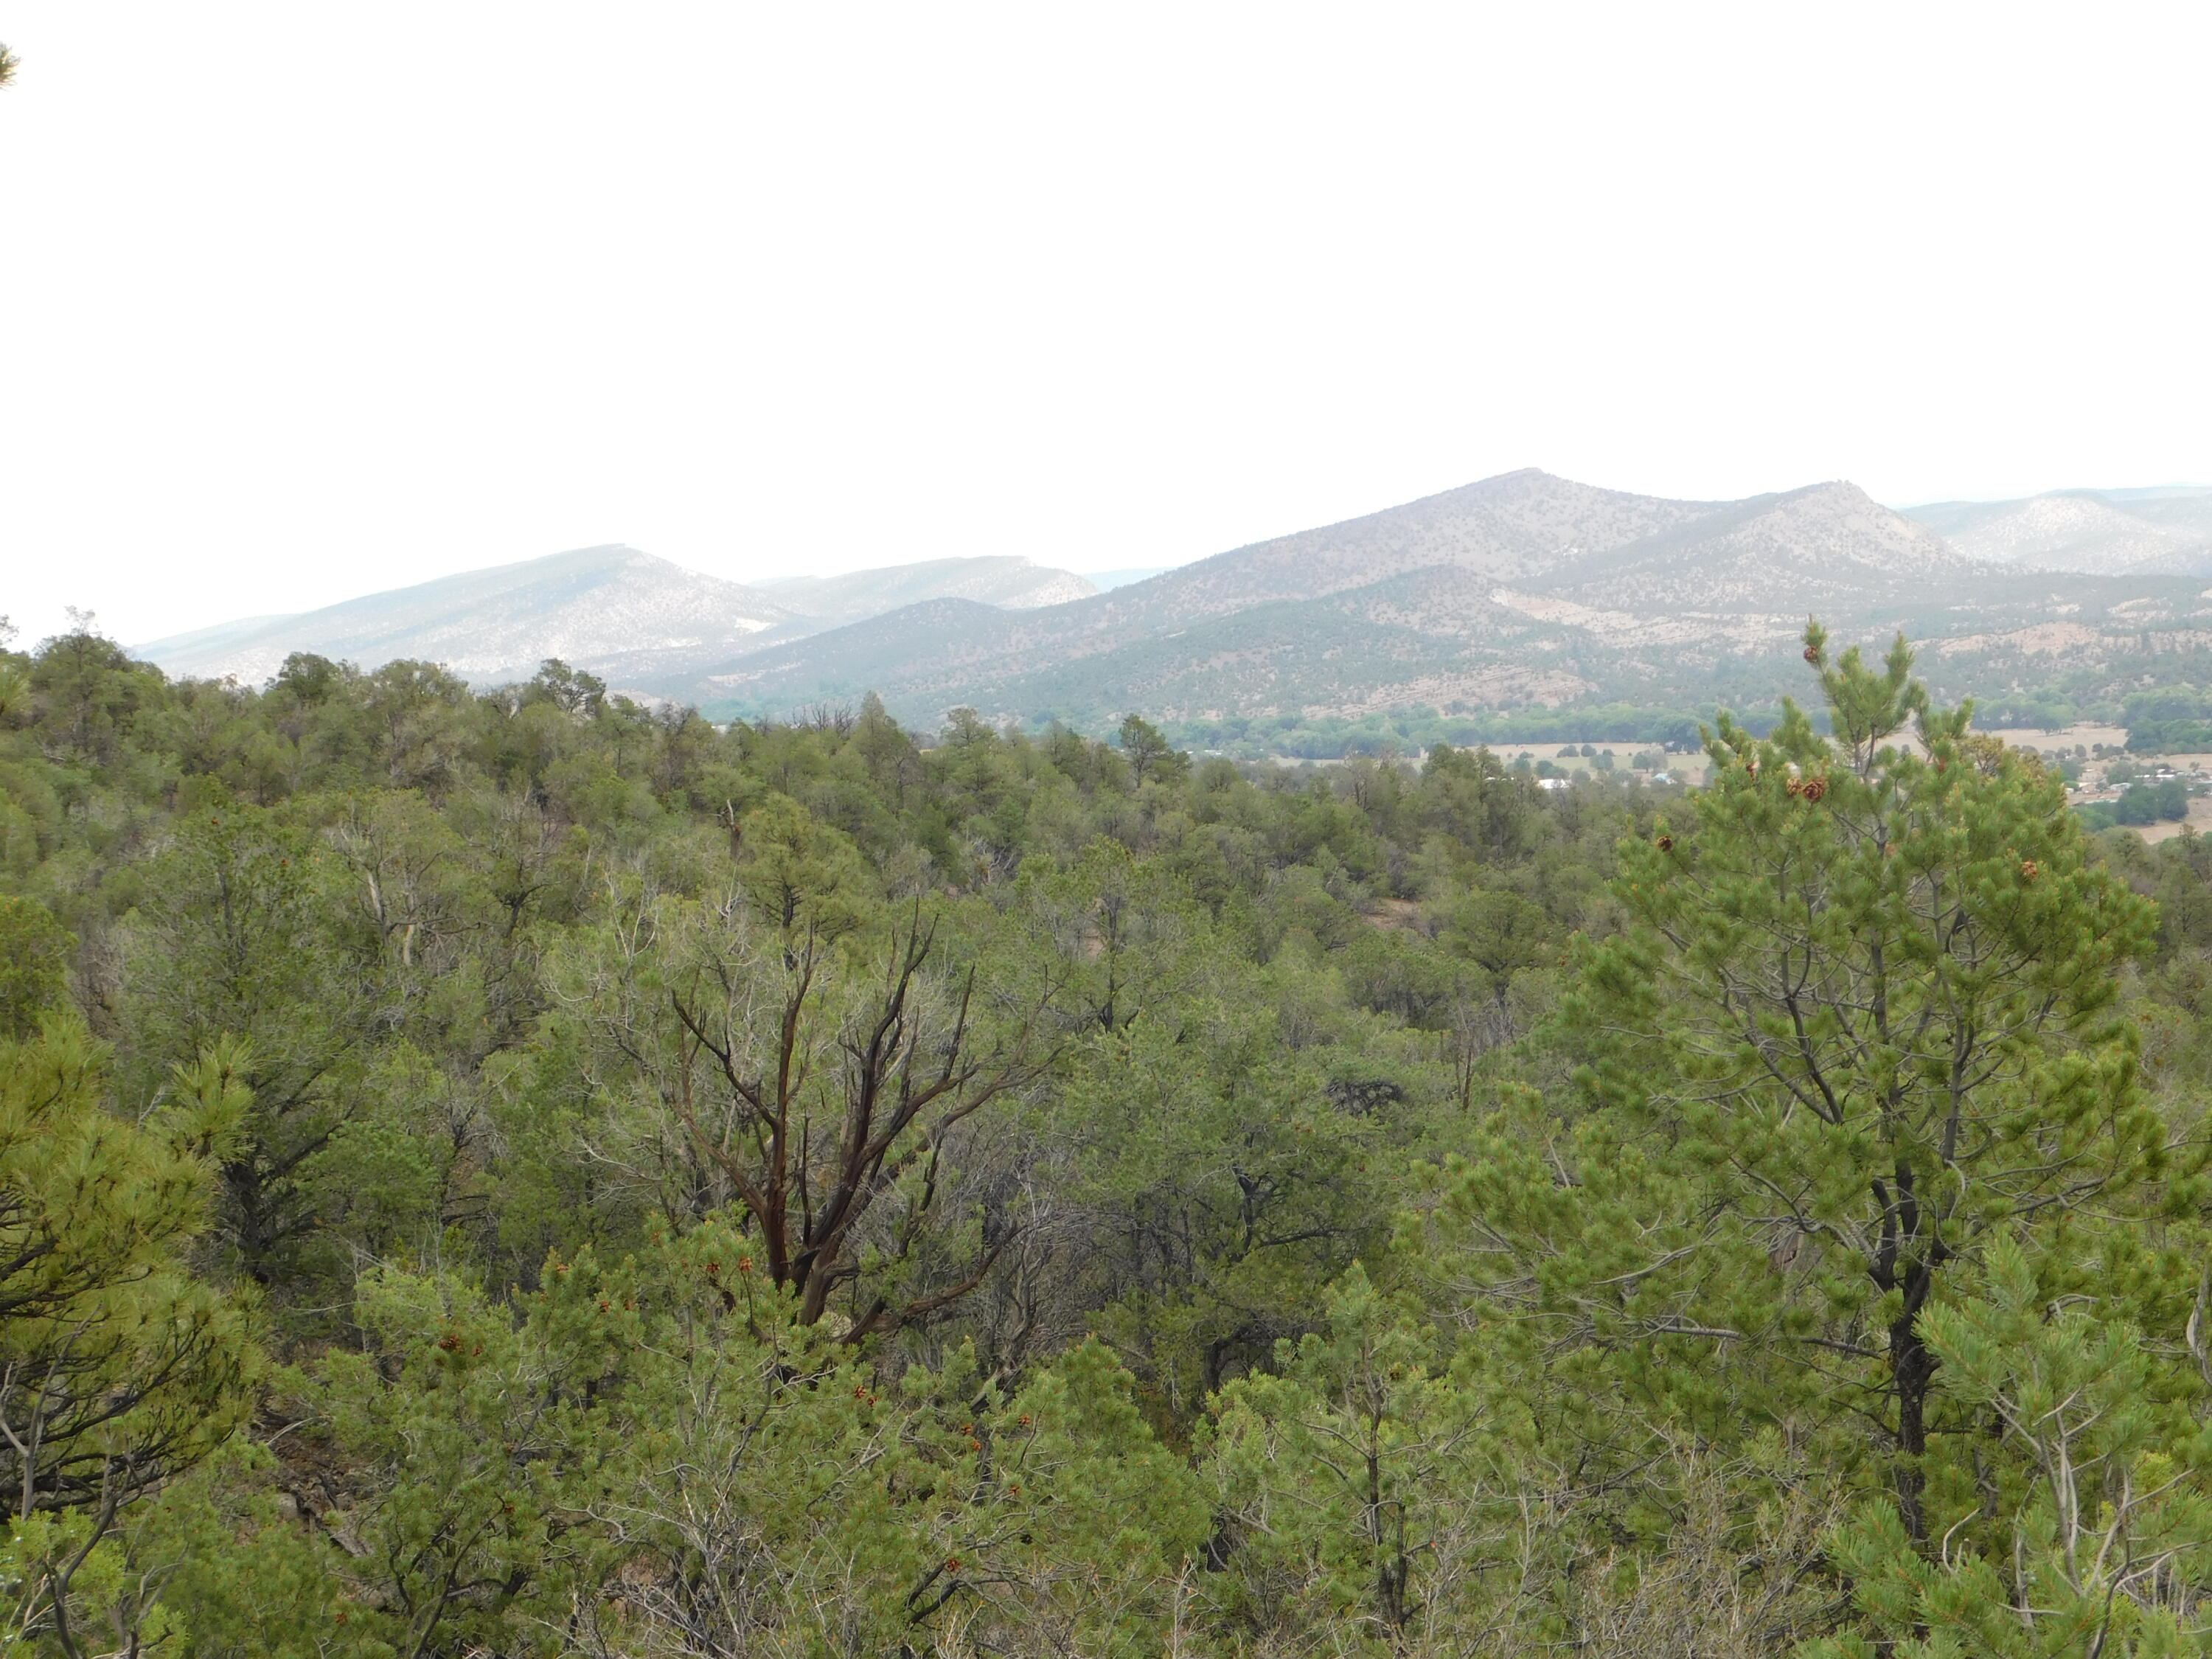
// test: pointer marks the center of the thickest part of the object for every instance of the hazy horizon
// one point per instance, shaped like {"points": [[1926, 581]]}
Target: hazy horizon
{"points": [[298, 317], [768, 583]]}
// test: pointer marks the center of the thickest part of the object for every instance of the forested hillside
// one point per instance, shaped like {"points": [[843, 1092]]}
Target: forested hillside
{"points": [[516, 1173]]}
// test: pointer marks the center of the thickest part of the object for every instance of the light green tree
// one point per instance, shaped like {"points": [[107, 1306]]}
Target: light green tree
{"points": [[786, 1497], [803, 876], [33, 957], [1863, 1013], [476, 1442], [118, 1372], [1358, 1481], [1151, 756], [2098, 1539]]}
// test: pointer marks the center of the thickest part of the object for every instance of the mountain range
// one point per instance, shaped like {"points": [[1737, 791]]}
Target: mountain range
{"points": [[2099, 532], [613, 610], [1520, 592], [1010, 583]]}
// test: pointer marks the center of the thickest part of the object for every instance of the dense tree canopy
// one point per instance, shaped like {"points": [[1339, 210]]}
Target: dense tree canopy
{"points": [[517, 1171]]}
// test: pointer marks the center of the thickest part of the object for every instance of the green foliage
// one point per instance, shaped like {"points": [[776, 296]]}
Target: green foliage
{"points": [[799, 873], [1866, 999], [33, 958], [1356, 1478], [1414, 730], [2167, 719], [2095, 1540], [2150, 803], [1235, 1188], [242, 934], [474, 1444], [784, 1497], [813, 1188], [1150, 755], [119, 1371]]}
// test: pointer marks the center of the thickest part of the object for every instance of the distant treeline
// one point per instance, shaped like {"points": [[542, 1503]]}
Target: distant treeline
{"points": [[1416, 730], [2170, 719], [2161, 720], [2139, 804]]}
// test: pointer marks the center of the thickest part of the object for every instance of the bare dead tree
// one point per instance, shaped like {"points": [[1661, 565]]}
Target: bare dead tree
{"points": [[818, 1100]]}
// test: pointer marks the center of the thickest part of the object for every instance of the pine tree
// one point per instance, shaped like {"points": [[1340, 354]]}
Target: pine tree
{"points": [[2099, 1541], [1355, 1478], [117, 1371], [1862, 1018]]}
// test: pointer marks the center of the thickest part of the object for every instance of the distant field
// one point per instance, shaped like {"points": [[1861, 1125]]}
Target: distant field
{"points": [[2087, 736], [2199, 819]]}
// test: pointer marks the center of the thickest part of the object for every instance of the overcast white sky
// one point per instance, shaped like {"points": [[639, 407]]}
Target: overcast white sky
{"points": [[304, 300]]}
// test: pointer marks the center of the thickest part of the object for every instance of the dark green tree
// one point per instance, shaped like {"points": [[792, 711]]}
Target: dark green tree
{"points": [[1150, 755], [570, 689], [242, 937]]}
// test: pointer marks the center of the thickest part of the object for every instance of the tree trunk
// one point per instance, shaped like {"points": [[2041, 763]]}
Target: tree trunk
{"points": [[1912, 1370]]}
